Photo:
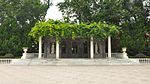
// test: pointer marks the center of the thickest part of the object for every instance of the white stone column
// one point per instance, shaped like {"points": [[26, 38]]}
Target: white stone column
{"points": [[91, 48], [40, 47], [109, 47], [57, 49]]}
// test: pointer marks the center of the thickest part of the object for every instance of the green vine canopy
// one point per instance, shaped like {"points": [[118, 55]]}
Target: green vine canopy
{"points": [[61, 30]]}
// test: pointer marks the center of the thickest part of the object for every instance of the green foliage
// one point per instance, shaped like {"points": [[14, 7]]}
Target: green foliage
{"points": [[64, 30], [135, 26], [9, 55], [130, 15], [93, 10], [17, 17]]}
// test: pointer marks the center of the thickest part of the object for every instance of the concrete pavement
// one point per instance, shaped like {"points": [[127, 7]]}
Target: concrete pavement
{"points": [[134, 74]]}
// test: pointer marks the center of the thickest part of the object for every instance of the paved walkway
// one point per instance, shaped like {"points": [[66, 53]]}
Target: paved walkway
{"points": [[139, 74]]}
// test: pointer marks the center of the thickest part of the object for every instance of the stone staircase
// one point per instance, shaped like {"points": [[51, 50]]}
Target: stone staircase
{"points": [[76, 62]]}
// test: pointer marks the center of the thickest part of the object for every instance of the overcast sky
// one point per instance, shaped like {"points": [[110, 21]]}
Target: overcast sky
{"points": [[53, 12]]}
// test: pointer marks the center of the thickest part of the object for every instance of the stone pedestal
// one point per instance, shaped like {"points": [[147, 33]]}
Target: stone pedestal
{"points": [[24, 55], [124, 53]]}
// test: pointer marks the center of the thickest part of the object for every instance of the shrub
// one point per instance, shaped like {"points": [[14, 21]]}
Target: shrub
{"points": [[9, 55]]}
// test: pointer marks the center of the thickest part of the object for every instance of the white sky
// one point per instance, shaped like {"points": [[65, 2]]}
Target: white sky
{"points": [[53, 12]]}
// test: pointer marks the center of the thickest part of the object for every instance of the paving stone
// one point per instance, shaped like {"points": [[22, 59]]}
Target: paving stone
{"points": [[137, 74]]}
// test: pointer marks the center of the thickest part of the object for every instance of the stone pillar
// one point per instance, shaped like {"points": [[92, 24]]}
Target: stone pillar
{"points": [[57, 49], [109, 47], [24, 56], [91, 48], [96, 48], [48, 49], [124, 53], [45, 49], [40, 47], [53, 48]]}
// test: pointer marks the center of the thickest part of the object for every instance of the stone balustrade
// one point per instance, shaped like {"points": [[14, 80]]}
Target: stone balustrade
{"points": [[8, 61], [99, 61], [144, 60], [141, 60]]}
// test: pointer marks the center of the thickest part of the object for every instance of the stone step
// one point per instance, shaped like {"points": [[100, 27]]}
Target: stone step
{"points": [[74, 62]]}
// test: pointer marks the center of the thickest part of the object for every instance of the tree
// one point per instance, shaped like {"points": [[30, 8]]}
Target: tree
{"points": [[131, 15], [92, 10], [135, 27], [17, 17]]}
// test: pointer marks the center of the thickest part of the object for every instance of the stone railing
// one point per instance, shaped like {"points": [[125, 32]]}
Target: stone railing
{"points": [[33, 55], [144, 60], [8, 61], [133, 60], [141, 60], [116, 55]]}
